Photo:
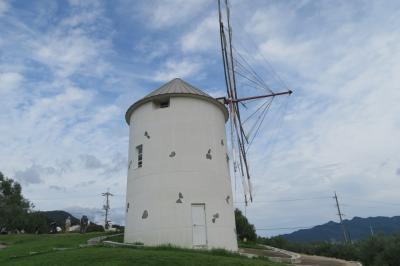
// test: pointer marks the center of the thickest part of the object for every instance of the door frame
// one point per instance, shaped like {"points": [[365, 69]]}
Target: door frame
{"points": [[205, 224]]}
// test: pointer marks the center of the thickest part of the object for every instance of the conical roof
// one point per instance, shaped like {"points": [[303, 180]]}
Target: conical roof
{"points": [[175, 88], [177, 85]]}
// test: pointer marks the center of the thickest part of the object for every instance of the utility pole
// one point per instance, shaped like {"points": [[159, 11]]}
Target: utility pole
{"points": [[346, 239], [106, 207]]}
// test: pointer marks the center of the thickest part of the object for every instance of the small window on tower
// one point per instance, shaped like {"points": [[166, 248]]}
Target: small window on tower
{"points": [[164, 104], [161, 103], [139, 155]]}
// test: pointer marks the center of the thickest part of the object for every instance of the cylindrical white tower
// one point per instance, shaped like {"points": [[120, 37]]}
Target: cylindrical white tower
{"points": [[179, 189]]}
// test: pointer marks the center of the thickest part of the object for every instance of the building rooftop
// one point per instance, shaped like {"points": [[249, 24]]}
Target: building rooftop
{"points": [[176, 88]]}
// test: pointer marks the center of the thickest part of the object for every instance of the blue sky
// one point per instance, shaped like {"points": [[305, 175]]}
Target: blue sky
{"points": [[70, 69]]}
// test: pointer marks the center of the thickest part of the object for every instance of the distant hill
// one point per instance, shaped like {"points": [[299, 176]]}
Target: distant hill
{"points": [[59, 217], [359, 228]]}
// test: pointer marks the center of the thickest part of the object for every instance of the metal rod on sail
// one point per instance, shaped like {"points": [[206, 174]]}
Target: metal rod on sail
{"points": [[228, 80], [242, 133], [240, 157], [236, 105], [235, 100], [221, 33]]}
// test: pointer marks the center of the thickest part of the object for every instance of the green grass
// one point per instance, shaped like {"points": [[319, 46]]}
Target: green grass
{"points": [[249, 244], [19, 248], [254, 245]]}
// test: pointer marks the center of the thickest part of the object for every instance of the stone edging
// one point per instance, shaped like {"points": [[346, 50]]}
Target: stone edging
{"points": [[97, 240], [119, 244], [294, 257]]}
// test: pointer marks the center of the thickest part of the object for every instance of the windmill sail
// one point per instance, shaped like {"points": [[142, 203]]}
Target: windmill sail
{"points": [[240, 141]]}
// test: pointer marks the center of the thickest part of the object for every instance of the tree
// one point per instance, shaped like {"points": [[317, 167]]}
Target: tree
{"points": [[244, 229], [13, 206], [36, 222]]}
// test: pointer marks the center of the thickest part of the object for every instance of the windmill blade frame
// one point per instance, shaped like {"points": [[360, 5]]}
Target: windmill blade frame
{"points": [[238, 135]]}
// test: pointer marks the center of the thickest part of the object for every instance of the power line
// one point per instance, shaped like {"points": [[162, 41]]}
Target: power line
{"points": [[376, 202], [75, 197], [286, 200]]}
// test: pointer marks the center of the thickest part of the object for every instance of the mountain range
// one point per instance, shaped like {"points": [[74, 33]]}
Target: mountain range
{"points": [[358, 228]]}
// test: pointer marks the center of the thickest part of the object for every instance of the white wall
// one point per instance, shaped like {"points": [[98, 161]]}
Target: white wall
{"points": [[189, 127]]}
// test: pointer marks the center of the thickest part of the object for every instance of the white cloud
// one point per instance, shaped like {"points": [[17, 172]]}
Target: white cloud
{"points": [[9, 81], [268, 21], [163, 14], [91, 161], [58, 188], [53, 76], [4, 7], [276, 49], [80, 19], [69, 53], [178, 68], [149, 49], [105, 114], [28, 176], [32, 174], [59, 107], [204, 37], [85, 3], [85, 183]]}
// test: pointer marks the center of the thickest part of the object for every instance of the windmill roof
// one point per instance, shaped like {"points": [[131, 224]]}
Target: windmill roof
{"points": [[175, 88], [177, 85]]}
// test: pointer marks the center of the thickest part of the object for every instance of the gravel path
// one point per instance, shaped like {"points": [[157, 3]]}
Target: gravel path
{"points": [[324, 261], [305, 260]]}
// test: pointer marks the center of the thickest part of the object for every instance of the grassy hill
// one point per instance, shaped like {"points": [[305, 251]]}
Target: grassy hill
{"points": [[39, 250], [59, 217]]}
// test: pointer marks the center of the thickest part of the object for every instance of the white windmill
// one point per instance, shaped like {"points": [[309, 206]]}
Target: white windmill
{"points": [[179, 189]]}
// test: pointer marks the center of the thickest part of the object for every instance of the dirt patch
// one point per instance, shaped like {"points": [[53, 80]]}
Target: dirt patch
{"points": [[2, 246]]}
